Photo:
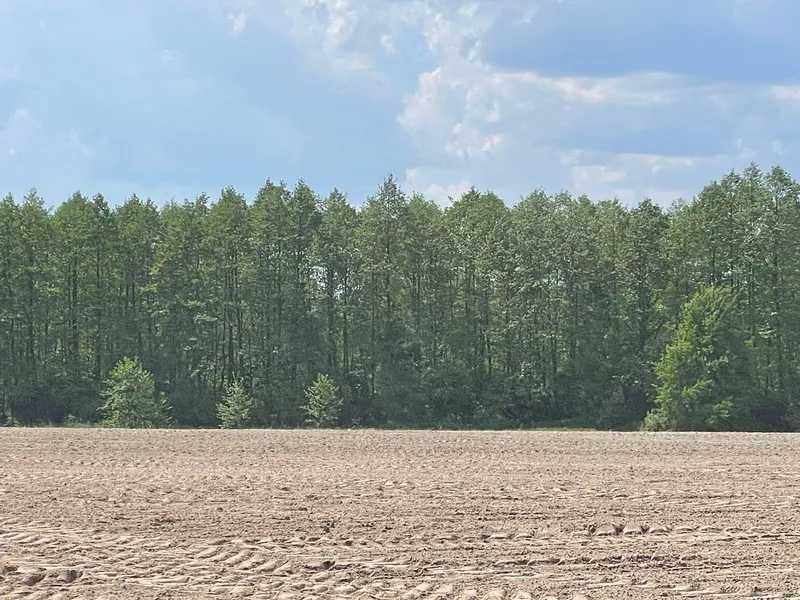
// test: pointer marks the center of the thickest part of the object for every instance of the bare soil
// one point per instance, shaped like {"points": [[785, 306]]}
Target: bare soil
{"points": [[374, 514]]}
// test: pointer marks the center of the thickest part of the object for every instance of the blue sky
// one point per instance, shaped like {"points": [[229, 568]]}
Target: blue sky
{"points": [[170, 98]]}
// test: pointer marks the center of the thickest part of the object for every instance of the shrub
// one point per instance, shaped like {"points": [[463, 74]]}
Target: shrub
{"points": [[131, 399], [655, 420], [236, 408], [323, 404]]}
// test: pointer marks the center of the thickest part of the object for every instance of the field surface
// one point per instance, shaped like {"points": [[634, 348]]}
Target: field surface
{"points": [[370, 514]]}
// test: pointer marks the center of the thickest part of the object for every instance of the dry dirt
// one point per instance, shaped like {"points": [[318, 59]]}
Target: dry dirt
{"points": [[368, 514]]}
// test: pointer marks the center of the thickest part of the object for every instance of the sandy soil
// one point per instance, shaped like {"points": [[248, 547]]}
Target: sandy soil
{"points": [[367, 514]]}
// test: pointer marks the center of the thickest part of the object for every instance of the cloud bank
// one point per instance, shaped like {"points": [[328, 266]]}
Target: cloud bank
{"points": [[612, 99]]}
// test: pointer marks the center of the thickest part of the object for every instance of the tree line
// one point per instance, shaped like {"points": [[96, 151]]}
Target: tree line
{"points": [[556, 309]]}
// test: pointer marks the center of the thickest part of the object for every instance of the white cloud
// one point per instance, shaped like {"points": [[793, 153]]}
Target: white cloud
{"points": [[342, 21], [388, 43], [326, 29], [421, 108], [22, 115], [647, 89], [639, 134], [632, 177], [786, 93], [468, 110], [467, 142], [469, 10], [595, 134], [170, 58], [528, 15], [443, 194], [584, 176], [238, 22]]}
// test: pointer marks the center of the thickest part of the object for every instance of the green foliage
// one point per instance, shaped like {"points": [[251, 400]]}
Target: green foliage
{"points": [[557, 309], [704, 375], [131, 398], [236, 409], [323, 403]]}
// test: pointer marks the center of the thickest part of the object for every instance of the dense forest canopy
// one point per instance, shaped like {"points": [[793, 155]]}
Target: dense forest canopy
{"points": [[480, 314]]}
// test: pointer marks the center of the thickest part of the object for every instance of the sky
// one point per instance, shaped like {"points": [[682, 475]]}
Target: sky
{"points": [[171, 98]]}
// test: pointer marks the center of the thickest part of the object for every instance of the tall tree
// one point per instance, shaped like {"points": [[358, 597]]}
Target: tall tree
{"points": [[643, 274], [10, 262], [705, 374], [383, 246], [558, 308], [268, 287], [184, 323], [227, 247], [73, 223], [336, 254], [138, 224]]}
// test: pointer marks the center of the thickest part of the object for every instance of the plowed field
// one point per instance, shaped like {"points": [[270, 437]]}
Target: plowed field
{"points": [[371, 514]]}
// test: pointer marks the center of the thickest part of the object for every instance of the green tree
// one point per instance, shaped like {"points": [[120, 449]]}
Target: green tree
{"points": [[477, 226], [131, 399], [427, 273], [336, 255], [267, 276], [10, 261], [139, 228], [388, 365], [73, 390], [185, 325], [704, 376], [558, 308], [323, 403], [303, 341], [642, 280], [236, 409], [226, 243], [536, 315]]}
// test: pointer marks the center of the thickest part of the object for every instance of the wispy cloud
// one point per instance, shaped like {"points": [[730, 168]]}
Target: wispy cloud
{"points": [[238, 22], [450, 93], [443, 194], [786, 93], [327, 28]]}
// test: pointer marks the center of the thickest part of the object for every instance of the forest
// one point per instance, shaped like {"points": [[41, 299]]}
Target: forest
{"points": [[556, 310]]}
